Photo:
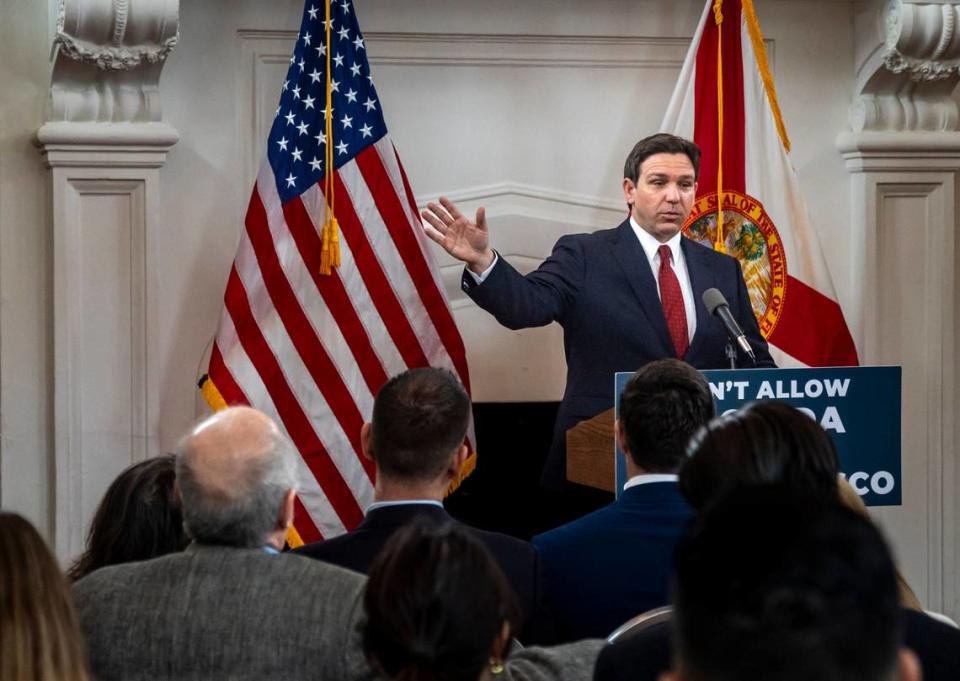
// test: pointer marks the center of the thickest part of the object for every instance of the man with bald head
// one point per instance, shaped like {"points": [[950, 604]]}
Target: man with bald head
{"points": [[229, 606]]}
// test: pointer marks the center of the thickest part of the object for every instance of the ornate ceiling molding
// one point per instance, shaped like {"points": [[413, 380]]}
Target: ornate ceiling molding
{"points": [[908, 65], [108, 55]]}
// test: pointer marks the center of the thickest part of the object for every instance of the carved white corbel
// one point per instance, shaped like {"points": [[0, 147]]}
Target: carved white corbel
{"points": [[108, 55], [908, 58]]}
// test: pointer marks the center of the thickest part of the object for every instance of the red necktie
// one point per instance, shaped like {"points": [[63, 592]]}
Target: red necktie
{"points": [[672, 300]]}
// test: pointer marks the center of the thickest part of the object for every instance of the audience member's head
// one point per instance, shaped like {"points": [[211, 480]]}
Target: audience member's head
{"points": [[39, 632], [769, 587], [851, 499], [237, 477], [662, 406], [420, 420], [138, 518], [765, 442], [438, 607]]}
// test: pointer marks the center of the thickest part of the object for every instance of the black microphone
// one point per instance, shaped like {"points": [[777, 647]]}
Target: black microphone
{"points": [[717, 305]]}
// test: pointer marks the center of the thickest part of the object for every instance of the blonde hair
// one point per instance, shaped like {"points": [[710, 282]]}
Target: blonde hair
{"points": [[40, 637], [851, 499]]}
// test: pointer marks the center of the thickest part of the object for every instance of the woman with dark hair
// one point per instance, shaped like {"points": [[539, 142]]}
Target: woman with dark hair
{"points": [[438, 607], [138, 518], [39, 631], [765, 442]]}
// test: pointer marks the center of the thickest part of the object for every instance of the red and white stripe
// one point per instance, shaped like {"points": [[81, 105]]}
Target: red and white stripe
{"points": [[811, 330], [312, 350]]}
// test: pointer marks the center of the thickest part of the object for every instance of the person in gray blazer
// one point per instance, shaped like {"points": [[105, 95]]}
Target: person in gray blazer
{"points": [[231, 606]]}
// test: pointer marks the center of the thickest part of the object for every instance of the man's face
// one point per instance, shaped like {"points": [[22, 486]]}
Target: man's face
{"points": [[663, 195]]}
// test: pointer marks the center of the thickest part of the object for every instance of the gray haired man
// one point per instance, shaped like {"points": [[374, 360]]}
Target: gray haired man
{"points": [[229, 606]]}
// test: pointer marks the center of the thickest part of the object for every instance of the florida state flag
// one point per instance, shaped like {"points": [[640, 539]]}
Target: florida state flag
{"points": [[725, 101]]}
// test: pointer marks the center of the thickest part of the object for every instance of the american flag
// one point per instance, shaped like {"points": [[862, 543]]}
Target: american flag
{"points": [[312, 349]]}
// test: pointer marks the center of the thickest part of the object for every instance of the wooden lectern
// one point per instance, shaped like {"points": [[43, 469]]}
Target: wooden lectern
{"points": [[590, 447]]}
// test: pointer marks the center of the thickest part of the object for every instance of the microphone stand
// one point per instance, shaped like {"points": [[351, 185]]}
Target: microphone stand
{"points": [[731, 353]]}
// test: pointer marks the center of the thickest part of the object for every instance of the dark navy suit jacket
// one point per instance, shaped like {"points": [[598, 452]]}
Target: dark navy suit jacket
{"points": [[601, 289], [602, 569], [519, 560]]}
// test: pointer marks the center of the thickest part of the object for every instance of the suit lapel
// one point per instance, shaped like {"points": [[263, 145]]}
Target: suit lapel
{"points": [[701, 278], [629, 254]]}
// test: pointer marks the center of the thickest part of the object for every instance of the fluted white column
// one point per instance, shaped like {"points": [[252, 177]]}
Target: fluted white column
{"points": [[105, 143]]}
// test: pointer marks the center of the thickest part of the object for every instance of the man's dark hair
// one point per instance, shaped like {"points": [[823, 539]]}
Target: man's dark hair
{"points": [[419, 418], [771, 585], [765, 442], [662, 406], [661, 143]]}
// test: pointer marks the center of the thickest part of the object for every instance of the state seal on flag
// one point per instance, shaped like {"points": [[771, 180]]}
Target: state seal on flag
{"points": [[749, 235]]}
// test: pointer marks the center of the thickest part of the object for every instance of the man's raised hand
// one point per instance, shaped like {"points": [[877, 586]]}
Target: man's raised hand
{"points": [[466, 241]]}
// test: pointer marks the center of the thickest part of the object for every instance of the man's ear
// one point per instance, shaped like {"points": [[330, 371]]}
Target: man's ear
{"points": [[457, 461], [366, 437], [286, 510], [908, 666], [628, 188], [621, 436]]}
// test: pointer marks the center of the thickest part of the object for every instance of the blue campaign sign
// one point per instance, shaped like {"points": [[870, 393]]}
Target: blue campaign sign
{"points": [[858, 406]]}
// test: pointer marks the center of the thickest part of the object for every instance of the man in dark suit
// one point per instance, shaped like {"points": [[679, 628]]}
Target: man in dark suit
{"points": [[416, 440], [624, 296], [602, 569], [229, 606]]}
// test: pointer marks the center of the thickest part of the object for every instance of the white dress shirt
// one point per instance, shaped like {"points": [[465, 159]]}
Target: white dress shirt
{"points": [[651, 247], [406, 502], [647, 478]]}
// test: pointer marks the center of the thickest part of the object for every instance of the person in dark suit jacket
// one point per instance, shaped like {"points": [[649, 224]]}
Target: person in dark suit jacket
{"points": [[606, 288], [646, 654], [769, 585], [610, 565], [230, 606], [416, 441]]}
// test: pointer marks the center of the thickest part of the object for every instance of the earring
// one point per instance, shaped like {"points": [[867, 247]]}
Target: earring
{"points": [[496, 666]]}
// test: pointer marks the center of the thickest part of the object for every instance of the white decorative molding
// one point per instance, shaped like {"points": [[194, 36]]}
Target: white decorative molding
{"points": [[919, 39], [550, 51], [81, 27], [904, 220], [477, 49], [908, 65], [105, 219], [108, 55], [523, 195], [106, 216]]}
